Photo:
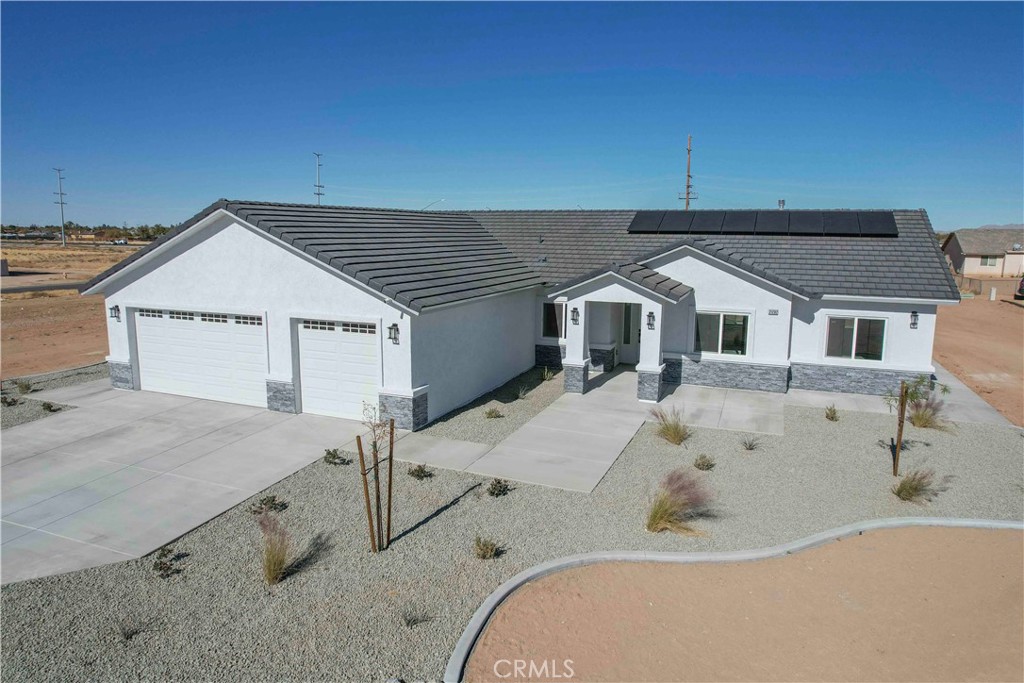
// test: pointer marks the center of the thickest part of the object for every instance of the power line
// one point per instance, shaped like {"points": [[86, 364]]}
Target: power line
{"points": [[60, 200], [318, 189], [690, 194]]}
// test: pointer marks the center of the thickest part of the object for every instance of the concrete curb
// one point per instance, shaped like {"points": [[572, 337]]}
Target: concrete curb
{"points": [[460, 656]]}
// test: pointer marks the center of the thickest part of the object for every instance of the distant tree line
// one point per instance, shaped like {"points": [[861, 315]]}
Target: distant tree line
{"points": [[102, 232]]}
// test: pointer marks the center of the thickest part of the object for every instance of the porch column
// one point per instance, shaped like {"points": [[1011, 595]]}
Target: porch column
{"points": [[576, 364], [650, 370]]}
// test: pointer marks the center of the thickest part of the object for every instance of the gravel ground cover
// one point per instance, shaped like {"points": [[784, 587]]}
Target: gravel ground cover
{"points": [[28, 409], [470, 424], [344, 615]]}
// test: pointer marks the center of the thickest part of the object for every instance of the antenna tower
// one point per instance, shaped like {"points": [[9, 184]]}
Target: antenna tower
{"points": [[318, 189], [60, 200]]}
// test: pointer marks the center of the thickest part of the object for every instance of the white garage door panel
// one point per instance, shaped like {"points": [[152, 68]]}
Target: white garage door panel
{"points": [[339, 369], [212, 360]]}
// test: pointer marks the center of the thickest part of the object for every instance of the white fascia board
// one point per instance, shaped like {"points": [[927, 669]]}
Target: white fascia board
{"points": [[646, 291], [727, 265], [889, 300], [223, 213]]}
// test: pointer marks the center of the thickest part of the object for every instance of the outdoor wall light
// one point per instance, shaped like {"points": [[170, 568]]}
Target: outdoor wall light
{"points": [[650, 320], [393, 333], [115, 312], [913, 320], [575, 315]]}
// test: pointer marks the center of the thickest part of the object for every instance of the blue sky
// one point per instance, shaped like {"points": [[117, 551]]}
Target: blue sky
{"points": [[156, 110]]}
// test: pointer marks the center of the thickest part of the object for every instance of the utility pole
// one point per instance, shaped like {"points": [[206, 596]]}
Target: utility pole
{"points": [[690, 194], [60, 200], [318, 189]]}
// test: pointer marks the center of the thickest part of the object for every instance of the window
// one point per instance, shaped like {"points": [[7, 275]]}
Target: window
{"points": [[554, 320], [213, 317], [180, 315], [724, 333], [359, 328], [325, 325], [150, 313], [627, 323], [988, 260], [249, 320], [859, 338]]}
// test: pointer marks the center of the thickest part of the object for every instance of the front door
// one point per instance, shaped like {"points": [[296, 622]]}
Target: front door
{"points": [[629, 340]]}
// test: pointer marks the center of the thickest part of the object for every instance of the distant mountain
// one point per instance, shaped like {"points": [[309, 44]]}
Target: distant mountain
{"points": [[1008, 226]]}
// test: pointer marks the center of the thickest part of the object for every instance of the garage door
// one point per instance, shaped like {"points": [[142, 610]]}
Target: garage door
{"points": [[338, 366], [217, 356]]}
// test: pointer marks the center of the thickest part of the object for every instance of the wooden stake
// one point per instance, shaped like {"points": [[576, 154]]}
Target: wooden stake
{"points": [[376, 486], [899, 429], [391, 468], [366, 494]]}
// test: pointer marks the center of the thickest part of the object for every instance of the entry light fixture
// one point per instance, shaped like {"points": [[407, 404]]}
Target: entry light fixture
{"points": [[115, 312], [650, 320], [913, 320], [393, 333], [575, 315]]}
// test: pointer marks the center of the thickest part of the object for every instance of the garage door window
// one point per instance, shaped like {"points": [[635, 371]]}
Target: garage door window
{"points": [[325, 325], [181, 315], [249, 320], [359, 328], [214, 317], [150, 313]]}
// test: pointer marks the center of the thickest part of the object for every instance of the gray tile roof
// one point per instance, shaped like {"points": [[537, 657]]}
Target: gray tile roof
{"points": [[642, 275], [562, 245], [419, 259], [989, 241]]}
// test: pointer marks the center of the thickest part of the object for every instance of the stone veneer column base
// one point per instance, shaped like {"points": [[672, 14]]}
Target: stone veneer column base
{"points": [[649, 384], [730, 375], [281, 396], [576, 377], [603, 358], [121, 375], [849, 380], [409, 412], [548, 356]]}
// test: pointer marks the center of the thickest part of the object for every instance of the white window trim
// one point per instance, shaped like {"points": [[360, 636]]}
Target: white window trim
{"points": [[565, 308], [719, 355], [856, 328]]}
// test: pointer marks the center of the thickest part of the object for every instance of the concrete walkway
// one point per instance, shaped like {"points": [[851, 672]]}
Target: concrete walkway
{"points": [[128, 472]]}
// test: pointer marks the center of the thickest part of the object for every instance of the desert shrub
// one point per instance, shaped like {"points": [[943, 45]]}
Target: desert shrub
{"points": [[333, 456], [523, 391], [498, 488], [414, 616], [420, 472], [681, 497], [127, 631], [831, 414], [926, 413], [166, 563], [9, 401], [275, 548], [919, 486], [486, 549], [50, 407], [492, 413], [547, 374], [268, 504], [23, 386], [751, 443], [920, 389], [670, 425], [704, 462]]}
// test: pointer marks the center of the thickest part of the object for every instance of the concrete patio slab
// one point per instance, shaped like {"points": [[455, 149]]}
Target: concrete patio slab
{"points": [[592, 446], [438, 452]]}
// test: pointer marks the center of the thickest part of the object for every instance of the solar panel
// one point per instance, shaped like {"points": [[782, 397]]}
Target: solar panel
{"points": [[739, 222], [877, 224], [646, 221], [676, 222], [841, 223], [772, 223], [805, 223], [707, 222]]}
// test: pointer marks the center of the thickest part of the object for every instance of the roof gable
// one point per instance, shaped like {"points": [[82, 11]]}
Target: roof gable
{"points": [[989, 241]]}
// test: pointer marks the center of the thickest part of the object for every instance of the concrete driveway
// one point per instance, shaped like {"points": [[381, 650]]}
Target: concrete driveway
{"points": [[127, 472]]}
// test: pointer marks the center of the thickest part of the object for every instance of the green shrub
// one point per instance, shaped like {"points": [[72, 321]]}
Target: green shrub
{"points": [[50, 407], [523, 391], [547, 374], [498, 488], [751, 443], [23, 386], [486, 549], [420, 472], [9, 401], [333, 456], [704, 462], [831, 414], [492, 413], [268, 504], [670, 425], [166, 562]]}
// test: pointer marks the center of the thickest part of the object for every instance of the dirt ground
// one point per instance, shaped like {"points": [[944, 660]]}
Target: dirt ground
{"points": [[982, 343], [913, 604]]}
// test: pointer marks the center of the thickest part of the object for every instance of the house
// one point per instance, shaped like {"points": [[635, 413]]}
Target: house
{"points": [[319, 309], [986, 252]]}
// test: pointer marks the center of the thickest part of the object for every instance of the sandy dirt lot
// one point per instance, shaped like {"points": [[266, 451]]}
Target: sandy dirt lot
{"points": [[915, 604], [45, 331], [982, 343]]}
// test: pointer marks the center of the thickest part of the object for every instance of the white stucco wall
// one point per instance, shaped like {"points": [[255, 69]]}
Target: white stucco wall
{"points": [[1013, 264], [972, 267], [721, 288], [464, 351], [904, 348], [229, 268]]}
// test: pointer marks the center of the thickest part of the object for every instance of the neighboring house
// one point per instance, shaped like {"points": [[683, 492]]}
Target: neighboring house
{"points": [[986, 252], [319, 309]]}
